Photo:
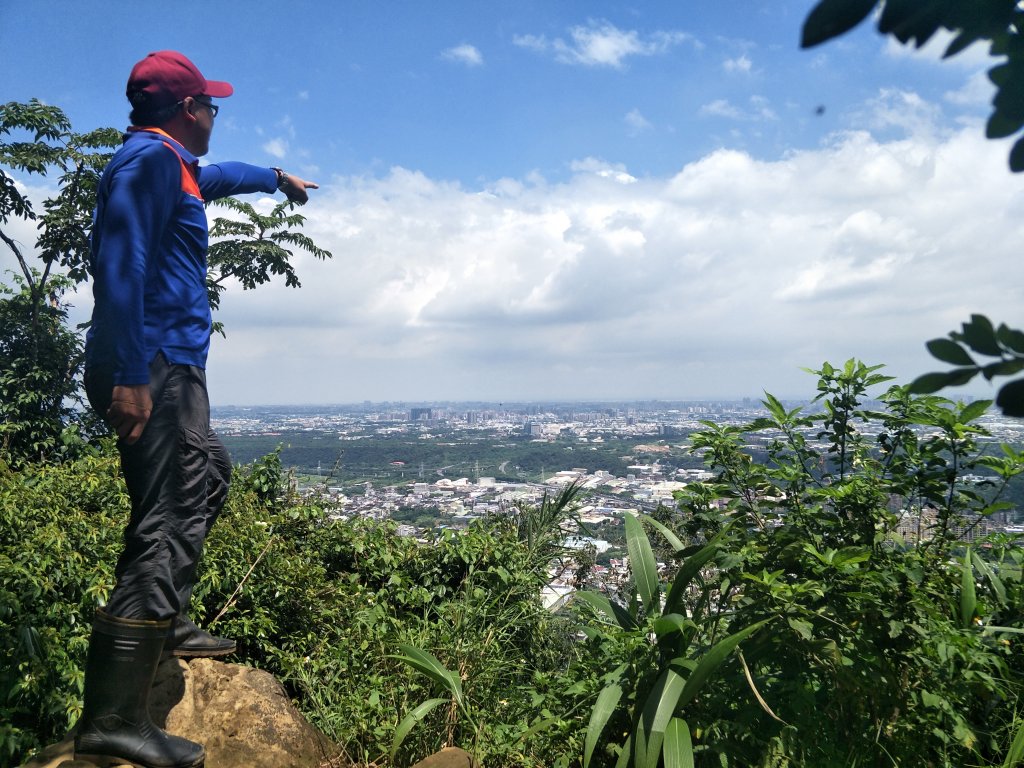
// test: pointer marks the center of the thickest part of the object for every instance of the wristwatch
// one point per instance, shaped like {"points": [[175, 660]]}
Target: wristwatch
{"points": [[282, 178]]}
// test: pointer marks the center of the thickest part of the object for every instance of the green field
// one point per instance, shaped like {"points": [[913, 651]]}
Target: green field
{"points": [[407, 458]]}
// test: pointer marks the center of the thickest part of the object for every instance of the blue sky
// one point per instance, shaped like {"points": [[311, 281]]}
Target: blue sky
{"points": [[574, 200]]}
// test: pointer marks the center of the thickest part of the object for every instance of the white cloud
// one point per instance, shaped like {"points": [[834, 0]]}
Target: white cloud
{"points": [[636, 123], [973, 57], [741, 64], [722, 279], [977, 91], [464, 54], [603, 44], [758, 109], [592, 165], [721, 108], [276, 148]]}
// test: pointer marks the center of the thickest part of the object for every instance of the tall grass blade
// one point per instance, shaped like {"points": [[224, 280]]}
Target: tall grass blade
{"points": [[757, 693], [642, 564], [1016, 754], [968, 598], [657, 713], [426, 663], [673, 540], [992, 628], [615, 612], [626, 755], [678, 750], [997, 584], [411, 719], [689, 570], [713, 659], [604, 707]]}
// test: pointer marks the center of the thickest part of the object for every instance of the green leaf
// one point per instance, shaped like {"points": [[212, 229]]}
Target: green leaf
{"points": [[1011, 398], [1017, 156], [974, 411], [411, 719], [426, 663], [1015, 756], [997, 584], [968, 598], [959, 43], [670, 623], [993, 629], [980, 336], [908, 20], [1002, 368], [670, 537], [626, 755], [1011, 338], [713, 659], [539, 726], [604, 707], [689, 569], [831, 18], [933, 382], [948, 351], [642, 564], [615, 612], [658, 710], [678, 750], [1002, 124], [803, 628]]}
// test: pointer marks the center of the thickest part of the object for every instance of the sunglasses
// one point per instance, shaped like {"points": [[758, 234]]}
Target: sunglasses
{"points": [[214, 108]]}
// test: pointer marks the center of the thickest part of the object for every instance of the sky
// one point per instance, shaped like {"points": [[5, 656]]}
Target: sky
{"points": [[577, 200]]}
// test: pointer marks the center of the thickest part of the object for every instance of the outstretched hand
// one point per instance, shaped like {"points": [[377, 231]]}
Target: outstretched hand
{"points": [[295, 188]]}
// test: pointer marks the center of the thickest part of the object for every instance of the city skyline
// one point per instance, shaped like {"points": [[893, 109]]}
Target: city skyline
{"points": [[581, 201]]}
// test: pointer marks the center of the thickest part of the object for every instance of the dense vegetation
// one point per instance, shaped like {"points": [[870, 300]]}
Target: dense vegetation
{"points": [[791, 626]]}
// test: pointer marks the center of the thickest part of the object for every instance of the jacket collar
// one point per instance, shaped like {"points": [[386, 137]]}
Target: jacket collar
{"points": [[148, 132]]}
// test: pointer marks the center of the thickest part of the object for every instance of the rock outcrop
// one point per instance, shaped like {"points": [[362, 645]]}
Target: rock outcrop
{"points": [[243, 716], [449, 757]]}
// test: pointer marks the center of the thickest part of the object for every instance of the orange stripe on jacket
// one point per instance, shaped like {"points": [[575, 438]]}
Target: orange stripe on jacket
{"points": [[188, 182], [189, 185]]}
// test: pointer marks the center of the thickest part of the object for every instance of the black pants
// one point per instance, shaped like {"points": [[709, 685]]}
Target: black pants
{"points": [[177, 475]]}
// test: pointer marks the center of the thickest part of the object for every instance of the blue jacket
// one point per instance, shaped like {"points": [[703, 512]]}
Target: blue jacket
{"points": [[148, 260]]}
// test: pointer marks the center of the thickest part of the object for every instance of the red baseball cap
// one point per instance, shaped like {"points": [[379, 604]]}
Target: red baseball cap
{"points": [[164, 78]]}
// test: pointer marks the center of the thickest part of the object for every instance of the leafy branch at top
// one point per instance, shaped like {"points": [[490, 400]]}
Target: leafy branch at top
{"points": [[999, 22], [981, 337]]}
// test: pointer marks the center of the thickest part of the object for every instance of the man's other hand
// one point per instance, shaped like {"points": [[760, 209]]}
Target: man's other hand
{"points": [[129, 411]]}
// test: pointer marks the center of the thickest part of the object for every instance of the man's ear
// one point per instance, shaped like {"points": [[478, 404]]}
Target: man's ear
{"points": [[188, 109]]}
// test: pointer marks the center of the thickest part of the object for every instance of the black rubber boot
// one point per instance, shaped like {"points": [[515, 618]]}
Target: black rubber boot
{"points": [[115, 726], [187, 641]]}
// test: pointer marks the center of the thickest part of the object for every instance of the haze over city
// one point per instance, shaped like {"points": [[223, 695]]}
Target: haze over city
{"points": [[581, 200]]}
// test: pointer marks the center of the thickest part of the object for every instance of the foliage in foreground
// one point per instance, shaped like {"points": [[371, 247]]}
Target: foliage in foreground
{"points": [[818, 609], [322, 605]]}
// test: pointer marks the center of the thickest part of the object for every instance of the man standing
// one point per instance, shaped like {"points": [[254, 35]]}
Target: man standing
{"points": [[145, 374]]}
